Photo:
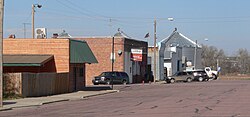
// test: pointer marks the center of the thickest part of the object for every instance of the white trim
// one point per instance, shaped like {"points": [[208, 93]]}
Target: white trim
{"points": [[189, 40]]}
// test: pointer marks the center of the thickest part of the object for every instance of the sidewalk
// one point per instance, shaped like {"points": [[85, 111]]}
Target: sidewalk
{"points": [[38, 101]]}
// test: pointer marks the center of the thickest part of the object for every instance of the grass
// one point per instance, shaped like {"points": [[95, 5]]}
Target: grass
{"points": [[11, 96]]}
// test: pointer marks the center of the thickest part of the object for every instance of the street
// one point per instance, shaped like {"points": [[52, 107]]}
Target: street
{"points": [[197, 99]]}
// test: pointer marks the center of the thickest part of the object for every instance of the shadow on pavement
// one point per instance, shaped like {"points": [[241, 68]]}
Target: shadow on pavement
{"points": [[8, 103], [96, 88]]}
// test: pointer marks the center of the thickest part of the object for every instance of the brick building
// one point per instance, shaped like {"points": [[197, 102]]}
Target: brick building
{"points": [[102, 49], [49, 55]]}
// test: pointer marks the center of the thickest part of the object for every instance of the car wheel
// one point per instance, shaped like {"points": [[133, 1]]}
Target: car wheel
{"points": [[95, 84], [200, 79], [172, 80], [124, 82], [214, 77], [108, 83], [189, 79]]}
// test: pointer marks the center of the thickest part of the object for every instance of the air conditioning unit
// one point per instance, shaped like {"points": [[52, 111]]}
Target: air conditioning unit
{"points": [[41, 33]]}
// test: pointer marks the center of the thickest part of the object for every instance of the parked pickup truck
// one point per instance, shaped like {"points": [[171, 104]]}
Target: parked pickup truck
{"points": [[211, 73]]}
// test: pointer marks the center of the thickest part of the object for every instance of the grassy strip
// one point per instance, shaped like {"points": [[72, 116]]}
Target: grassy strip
{"points": [[11, 96]]}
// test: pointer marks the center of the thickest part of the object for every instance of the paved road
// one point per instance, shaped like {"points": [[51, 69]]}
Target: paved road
{"points": [[207, 99]]}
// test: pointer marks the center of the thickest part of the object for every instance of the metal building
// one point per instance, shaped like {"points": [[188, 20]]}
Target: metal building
{"points": [[177, 53]]}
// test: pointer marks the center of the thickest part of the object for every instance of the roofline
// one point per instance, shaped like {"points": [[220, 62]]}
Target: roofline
{"points": [[109, 37], [190, 40], [167, 39]]}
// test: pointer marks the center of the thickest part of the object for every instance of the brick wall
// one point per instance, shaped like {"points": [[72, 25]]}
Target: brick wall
{"points": [[57, 47], [102, 48]]}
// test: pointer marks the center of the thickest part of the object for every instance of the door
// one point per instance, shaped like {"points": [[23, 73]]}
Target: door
{"points": [[116, 77], [75, 78]]}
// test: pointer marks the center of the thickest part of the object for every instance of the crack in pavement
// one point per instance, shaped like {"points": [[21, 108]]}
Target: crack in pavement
{"points": [[218, 101], [208, 108], [139, 104], [196, 110], [179, 101], [236, 115], [153, 107]]}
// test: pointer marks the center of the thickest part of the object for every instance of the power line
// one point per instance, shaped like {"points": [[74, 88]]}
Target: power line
{"points": [[91, 12], [75, 9]]}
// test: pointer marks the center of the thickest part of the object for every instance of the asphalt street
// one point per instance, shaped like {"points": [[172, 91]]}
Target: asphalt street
{"points": [[197, 99]]}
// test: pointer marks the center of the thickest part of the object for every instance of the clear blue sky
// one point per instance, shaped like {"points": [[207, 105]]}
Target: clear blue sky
{"points": [[225, 23]]}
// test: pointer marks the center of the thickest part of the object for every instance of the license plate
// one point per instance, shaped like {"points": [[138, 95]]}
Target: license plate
{"points": [[102, 78]]}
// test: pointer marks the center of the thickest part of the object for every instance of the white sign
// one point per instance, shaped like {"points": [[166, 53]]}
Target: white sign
{"points": [[136, 51], [111, 56]]}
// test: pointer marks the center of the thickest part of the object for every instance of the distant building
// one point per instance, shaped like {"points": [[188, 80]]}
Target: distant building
{"points": [[151, 60], [176, 53], [125, 60]]}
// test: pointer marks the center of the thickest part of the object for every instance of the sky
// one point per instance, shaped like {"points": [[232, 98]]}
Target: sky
{"points": [[224, 24]]}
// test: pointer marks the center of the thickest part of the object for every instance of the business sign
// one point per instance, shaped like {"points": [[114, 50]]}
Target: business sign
{"points": [[136, 54]]}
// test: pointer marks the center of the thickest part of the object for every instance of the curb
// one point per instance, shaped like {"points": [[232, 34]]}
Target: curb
{"points": [[113, 91], [5, 109], [50, 102], [59, 100]]}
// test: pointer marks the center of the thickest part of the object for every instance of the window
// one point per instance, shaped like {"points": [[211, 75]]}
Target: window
{"points": [[184, 73], [118, 74], [124, 74]]}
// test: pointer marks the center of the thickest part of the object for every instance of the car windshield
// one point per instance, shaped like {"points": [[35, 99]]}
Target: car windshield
{"points": [[177, 73], [106, 74]]}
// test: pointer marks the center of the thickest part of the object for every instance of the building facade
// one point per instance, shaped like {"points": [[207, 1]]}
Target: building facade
{"points": [[102, 49], [178, 53], [49, 56], [175, 53]]}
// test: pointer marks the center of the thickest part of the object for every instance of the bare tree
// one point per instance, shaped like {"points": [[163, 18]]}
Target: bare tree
{"points": [[211, 55], [229, 65], [243, 60]]}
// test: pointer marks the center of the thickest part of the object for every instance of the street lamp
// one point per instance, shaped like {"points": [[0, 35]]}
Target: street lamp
{"points": [[169, 19], [33, 18]]}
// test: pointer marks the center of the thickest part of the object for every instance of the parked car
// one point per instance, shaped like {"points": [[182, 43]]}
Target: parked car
{"points": [[200, 75], [180, 76], [106, 78]]}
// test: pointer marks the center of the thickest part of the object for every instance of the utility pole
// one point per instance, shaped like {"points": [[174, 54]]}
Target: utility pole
{"points": [[154, 50], [33, 18], [33, 22], [195, 54], [113, 44], [1, 51], [24, 29]]}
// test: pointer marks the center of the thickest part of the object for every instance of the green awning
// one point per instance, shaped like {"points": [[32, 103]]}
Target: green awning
{"points": [[25, 60], [80, 52]]}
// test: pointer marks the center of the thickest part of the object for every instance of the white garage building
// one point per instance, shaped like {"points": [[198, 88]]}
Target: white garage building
{"points": [[176, 53]]}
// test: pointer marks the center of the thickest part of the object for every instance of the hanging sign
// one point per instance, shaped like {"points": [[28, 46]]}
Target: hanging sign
{"points": [[136, 54]]}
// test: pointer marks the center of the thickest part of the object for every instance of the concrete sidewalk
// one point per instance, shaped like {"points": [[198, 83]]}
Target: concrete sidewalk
{"points": [[38, 101]]}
